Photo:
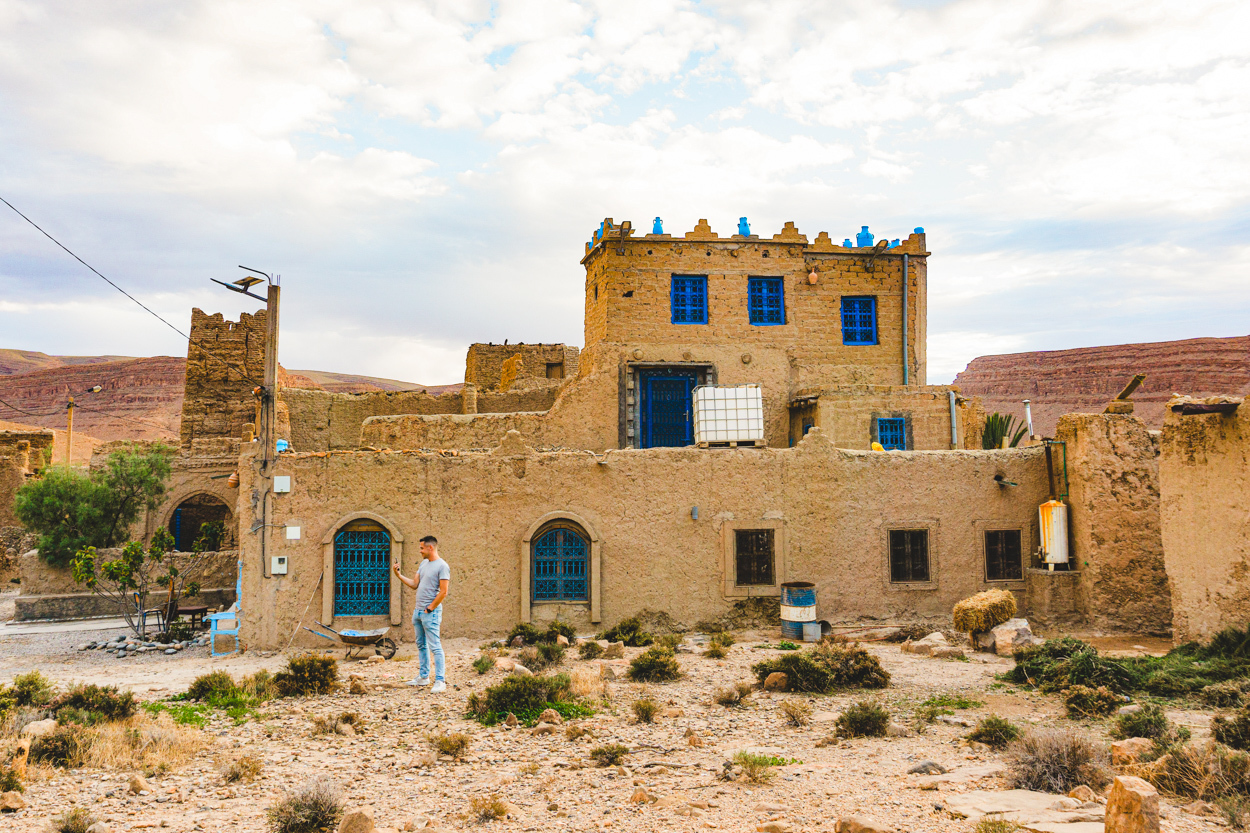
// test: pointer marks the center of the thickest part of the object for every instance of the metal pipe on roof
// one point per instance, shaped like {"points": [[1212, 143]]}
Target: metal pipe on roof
{"points": [[905, 282], [954, 421]]}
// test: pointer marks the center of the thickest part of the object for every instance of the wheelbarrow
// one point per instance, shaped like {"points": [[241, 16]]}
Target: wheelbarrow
{"points": [[357, 641]]}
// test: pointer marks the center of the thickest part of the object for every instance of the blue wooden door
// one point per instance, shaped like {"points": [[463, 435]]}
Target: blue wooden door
{"points": [[667, 409]]}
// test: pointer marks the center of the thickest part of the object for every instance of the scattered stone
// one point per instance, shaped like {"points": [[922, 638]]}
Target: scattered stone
{"points": [[672, 711], [776, 681], [948, 652], [860, 824], [38, 728], [771, 808], [11, 802], [1132, 806], [1082, 793], [925, 646], [952, 720], [138, 784], [964, 775], [1013, 635], [544, 729], [898, 730], [562, 640], [517, 642], [100, 827], [358, 687], [522, 670], [169, 651], [550, 716], [345, 729], [505, 664], [1027, 808], [1201, 808], [641, 796], [1125, 752], [359, 820], [510, 720], [774, 827], [615, 650], [1132, 708], [927, 768]]}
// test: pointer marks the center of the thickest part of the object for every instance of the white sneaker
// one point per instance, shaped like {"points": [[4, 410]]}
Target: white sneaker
{"points": [[439, 687], [418, 681]]}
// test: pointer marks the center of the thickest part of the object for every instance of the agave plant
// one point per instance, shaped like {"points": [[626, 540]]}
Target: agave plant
{"points": [[999, 427]]}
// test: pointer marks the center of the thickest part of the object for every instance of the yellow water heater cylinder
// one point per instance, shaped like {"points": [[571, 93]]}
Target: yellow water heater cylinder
{"points": [[1053, 520]]}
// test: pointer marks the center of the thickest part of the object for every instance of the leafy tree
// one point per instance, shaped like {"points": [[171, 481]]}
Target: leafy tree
{"points": [[998, 427], [140, 579], [70, 509]]}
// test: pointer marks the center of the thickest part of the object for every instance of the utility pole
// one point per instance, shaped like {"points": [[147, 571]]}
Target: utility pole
{"points": [[69, 429], [269, 404]]}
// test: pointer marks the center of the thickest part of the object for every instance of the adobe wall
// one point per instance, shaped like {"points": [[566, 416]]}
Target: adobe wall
{"points": [[847, 414], [833, 509], [484, 362], [628, 281], [217, 400], [1115, 536], [1205, 472]]}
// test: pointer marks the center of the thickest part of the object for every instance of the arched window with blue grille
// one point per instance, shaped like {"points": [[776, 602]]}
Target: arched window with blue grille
{"points": [[560, 564], [362, 570]]}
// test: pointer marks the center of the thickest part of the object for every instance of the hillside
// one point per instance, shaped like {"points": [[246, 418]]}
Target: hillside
{"points": [[1082, 380], [25, 361]]}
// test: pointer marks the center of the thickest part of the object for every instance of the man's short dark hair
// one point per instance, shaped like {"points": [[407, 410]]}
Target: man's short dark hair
{"points": [[430, 539]]}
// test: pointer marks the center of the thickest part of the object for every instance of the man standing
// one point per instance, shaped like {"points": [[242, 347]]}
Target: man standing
{"points": [[430, 583]]}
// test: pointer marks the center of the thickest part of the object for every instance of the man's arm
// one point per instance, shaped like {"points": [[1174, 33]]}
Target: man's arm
{"points": [[442, 594], [411, 582]]}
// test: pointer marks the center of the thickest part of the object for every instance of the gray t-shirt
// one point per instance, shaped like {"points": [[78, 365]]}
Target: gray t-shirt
{"points": [[429, 574]]}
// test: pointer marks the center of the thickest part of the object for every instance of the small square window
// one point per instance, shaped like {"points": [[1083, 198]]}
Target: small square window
{"points": [[892, 433], [1003, 558], [555, 370], [689, 299], [859, 321], [766, 306], [753, 557], [909, 555]]}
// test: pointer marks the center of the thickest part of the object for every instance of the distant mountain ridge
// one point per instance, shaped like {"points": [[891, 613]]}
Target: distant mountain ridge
{"points": [[1058, 382], [141, 398]]}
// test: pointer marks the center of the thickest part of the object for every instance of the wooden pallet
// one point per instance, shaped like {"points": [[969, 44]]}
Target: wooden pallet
{"points": [[732, 444]]}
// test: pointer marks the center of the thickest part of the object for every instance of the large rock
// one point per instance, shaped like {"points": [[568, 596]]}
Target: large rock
{"points": [[138, 784], [359, 820], [1132, 806], [38, 728], [1027, 808], [615, 650], [11, 802], [550, 716], [776, 681], [1013, 635], [861, 824], [925, 646], [1130, 751]]}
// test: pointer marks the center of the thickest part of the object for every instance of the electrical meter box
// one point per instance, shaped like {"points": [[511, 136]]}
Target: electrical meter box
{"points": [[277, 565], [282, 484]]}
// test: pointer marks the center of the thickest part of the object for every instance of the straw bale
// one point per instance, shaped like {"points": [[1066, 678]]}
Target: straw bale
{"points": [[984, 611]]}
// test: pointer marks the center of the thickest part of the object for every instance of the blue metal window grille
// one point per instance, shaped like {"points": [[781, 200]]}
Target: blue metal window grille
{"points": [[362, 573], [909, 555], [892, 433], [689, 299], [859, 320], [766, 304], [560, 566]]}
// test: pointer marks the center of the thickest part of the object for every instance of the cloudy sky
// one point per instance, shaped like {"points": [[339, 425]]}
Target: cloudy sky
{"points": [[425, 174]]}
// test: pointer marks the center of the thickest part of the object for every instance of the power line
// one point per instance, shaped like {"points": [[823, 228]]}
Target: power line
{"points": [[119, 416], [28, 413], [239, 370]]}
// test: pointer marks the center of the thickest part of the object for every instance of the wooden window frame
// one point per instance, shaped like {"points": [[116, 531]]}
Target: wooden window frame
{"points": [[729, 562], [930, 526]]}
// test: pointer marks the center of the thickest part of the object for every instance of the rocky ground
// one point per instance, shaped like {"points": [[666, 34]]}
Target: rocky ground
{"points": [[548, 781]]}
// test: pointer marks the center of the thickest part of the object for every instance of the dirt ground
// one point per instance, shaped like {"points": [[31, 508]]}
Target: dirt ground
{"points": [[549, 780]]}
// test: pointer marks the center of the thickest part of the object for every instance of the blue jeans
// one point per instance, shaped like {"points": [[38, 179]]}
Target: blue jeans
{"points": [[426, 626]]}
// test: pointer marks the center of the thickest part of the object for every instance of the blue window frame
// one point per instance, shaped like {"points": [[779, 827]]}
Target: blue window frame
{"points": [[667, 408], [560, 561], [859, 320], [766, 303], [689, 299], [892, 433], [362, 572]]}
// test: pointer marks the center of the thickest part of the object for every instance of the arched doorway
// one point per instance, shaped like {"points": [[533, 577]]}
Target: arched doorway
{"points": [[560, 563], [362, 569], [186, 524]]}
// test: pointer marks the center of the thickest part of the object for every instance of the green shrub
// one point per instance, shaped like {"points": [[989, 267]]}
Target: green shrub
{"points": [[1235, 731], [786, 645], [9, 782], [991, 824], [1230, 693], [526, 631], [1062, 663], [995, 732], [105, 701], [483, 663], [758, 769], [864, 719], [828, 666], [630, 632], [454, 744], [1083, 701], [484, 808], [715, 651], [723, 638], [216, 685], [307, 674], [1149, 722], [550, 654], [645, 709], [1056, 760], [64, 746], [558, 628], [590, 650], [316, 807], [31, 689], [69, 714], [733, 695], [1207, 772], [1235, 809], [669, 641], [259, 686], [655, 665], [952, 701], [526, 697], [611, 754], [73, 820]]}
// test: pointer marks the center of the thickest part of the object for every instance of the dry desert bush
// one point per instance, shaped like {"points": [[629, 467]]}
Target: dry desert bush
{"points": [[1056, 760]]}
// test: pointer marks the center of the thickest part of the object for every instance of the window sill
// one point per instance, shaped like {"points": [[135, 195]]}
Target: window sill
{"points": [[912, 585]]}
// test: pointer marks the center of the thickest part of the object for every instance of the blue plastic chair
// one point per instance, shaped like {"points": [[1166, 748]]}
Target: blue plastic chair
{"points": [[230, 614]]}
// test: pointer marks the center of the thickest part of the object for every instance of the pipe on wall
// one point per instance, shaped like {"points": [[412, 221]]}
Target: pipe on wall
{"points": [[905, 282], [954, 421]]}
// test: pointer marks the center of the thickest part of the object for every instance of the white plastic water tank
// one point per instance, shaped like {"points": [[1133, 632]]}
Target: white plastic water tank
{"points": [[728, 414], [1052, 517]]}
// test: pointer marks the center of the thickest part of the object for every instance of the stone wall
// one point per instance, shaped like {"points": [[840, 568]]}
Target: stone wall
{"points": [[217, 399], [22, 454], [1116, 541], [832, 510], [847, 414], [1205, 470], [484, 362]]}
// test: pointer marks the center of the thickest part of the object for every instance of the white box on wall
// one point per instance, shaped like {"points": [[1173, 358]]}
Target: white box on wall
{"points": [[728, 414]]}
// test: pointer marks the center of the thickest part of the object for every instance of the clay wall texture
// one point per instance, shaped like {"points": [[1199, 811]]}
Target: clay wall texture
{"points": [[217, 400], [1205, 469], [484, 362], [833, 508], [1115, 536], [847, 414]]}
